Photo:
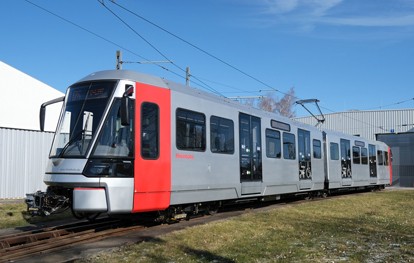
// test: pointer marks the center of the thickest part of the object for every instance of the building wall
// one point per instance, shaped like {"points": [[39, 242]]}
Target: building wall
{"points": [[23, 159], [23, 149], [402, 146], [21, 98], [367, 123]]}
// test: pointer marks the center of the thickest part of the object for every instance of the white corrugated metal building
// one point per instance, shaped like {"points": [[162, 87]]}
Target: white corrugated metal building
{"points": [[23, 158], [23, 148], [394, 127]]}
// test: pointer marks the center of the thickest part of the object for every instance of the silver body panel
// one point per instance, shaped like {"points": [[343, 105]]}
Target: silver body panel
{"points": [[360, 172], [210, 176], [89, 200], [119, 194]]}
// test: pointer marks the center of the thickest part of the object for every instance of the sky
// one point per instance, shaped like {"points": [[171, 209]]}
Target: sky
{"points": [[348, 54]]}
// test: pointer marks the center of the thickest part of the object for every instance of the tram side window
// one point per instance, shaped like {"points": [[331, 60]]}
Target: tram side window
{"points": [[289, 146], [380, 158], [364, 156], [386, 160], [317, 150], [149, 130], [221, 135], [273, 148], [356, 155], [190, 130], [334, 150]]}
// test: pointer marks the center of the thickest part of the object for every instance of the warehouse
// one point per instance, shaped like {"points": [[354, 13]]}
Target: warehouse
{"points": [[394, 127], [23, 148]]}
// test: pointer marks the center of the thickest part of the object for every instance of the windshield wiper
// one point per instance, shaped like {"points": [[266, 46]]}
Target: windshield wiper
{"points": [[74, 138]]}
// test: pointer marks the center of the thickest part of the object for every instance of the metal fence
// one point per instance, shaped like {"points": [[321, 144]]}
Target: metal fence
{"points": [[23, 159]]}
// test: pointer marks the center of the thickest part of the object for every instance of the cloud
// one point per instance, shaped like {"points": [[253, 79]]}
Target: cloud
{"points": [[320, 7], [311, 13], [310, 7], [397, 21], [279, 7]]}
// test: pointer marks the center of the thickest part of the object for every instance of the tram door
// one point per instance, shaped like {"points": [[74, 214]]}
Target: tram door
{"points": [[305, 168], [152, 178], [304, 154], [346, 170], [250, 154], [372, 153]]}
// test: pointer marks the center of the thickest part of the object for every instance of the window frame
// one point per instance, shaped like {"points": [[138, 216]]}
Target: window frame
{"points": [[356, 159], [386, 158], [336, 156], [317, 155], [156, 130], [193, 123], [364, 155], [286, 155], [278, 144], [229, 141], [380, 158]]}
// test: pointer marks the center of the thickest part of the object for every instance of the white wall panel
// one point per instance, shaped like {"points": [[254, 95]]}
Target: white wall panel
{"points": [[23, 159]]}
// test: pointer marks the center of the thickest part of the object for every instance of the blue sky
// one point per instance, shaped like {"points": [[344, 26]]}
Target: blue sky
{"points": [[349, 54]]}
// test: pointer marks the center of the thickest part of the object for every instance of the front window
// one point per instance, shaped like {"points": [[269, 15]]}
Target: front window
{"points": [[115, 140], [85, 105]]}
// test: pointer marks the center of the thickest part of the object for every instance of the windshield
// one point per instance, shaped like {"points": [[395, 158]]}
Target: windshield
{"points": [[116, 140], [85, 105]]}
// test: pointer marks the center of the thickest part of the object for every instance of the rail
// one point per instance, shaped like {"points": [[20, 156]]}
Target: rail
{"points": [[16, 246]]}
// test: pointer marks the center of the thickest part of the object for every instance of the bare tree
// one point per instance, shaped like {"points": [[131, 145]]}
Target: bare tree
{"points": [[284, 106], [268, 103]]}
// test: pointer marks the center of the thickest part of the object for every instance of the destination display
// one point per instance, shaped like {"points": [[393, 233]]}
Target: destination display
{"points": [[91, 91]]}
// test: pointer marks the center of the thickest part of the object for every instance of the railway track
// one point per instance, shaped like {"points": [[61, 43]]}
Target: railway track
{"points": [[25, 244], [40, 242], [35, 243]]}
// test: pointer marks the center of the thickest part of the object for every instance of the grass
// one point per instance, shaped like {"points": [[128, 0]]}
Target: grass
{"points": [[14, 215], [371, 227]]}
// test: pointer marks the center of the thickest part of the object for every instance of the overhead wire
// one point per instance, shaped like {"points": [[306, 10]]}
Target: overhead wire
{"points": [[199, 81], [84, 29], [100, 37], [196, 47], [392, 104], [221, 60], [224, 62], [369, 124], [202, 50], [108, 40], [352, 118], [189, 43], [152, 45]]}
